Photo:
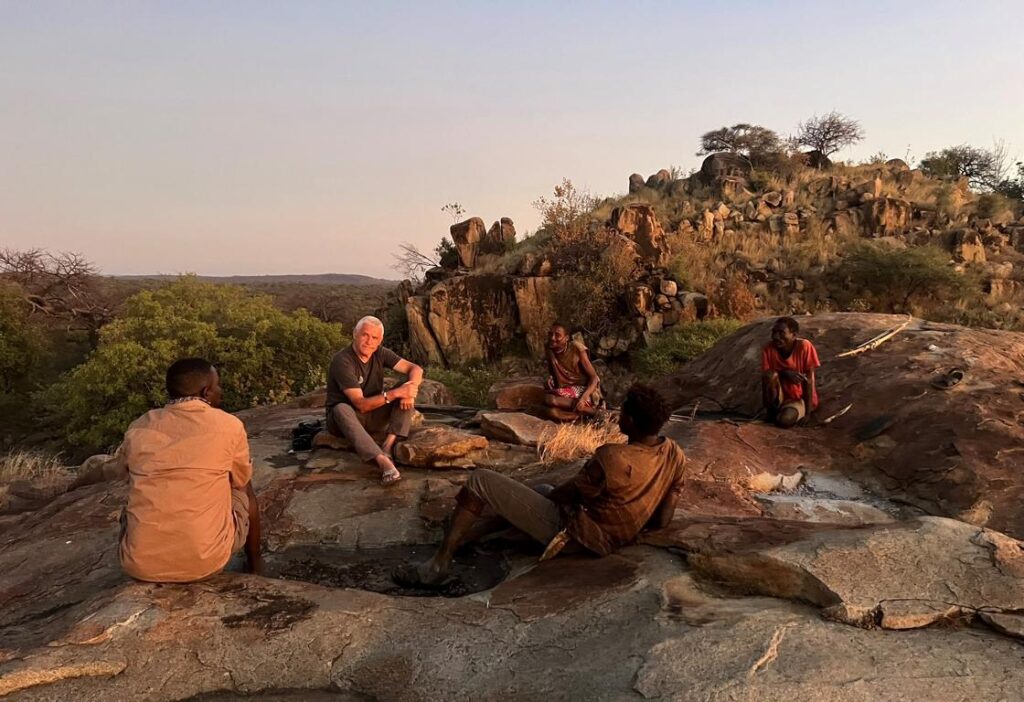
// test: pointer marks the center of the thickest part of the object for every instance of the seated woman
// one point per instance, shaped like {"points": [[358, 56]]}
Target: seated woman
{"points": [[573, 390]]}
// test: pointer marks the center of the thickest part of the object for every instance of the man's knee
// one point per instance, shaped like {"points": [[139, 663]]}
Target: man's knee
{"points": [[479, 479]]}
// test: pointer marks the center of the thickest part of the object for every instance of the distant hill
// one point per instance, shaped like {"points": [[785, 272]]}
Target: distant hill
{"points": [[315, 279]]}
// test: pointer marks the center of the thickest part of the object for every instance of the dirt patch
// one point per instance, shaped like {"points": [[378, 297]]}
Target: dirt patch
{"points": [[371, 569], [279, 612]]}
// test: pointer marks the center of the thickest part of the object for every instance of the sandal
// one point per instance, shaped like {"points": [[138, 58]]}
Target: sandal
{"points": [[390, 477]]}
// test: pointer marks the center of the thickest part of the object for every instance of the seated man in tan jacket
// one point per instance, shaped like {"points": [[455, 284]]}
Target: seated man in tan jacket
{"points": [[190, 497]]}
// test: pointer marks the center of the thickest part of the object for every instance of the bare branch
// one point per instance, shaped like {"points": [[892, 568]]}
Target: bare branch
{"points": [[411, 262]]}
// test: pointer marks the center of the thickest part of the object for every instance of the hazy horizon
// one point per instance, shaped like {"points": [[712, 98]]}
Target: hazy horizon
{"points": [[259, 138]]}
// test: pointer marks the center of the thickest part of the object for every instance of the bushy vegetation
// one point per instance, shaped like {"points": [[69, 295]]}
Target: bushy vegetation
{"points": [[909, 280], [469, 384], [22, 343], [263, 354], [683, 343]]}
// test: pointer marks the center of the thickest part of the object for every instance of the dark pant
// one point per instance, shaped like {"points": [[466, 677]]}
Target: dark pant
{"points": [[344, 420], [522, 506]]}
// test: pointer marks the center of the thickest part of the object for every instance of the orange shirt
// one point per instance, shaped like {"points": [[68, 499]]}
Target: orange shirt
{"points": [[182, 462], [803, 359]]}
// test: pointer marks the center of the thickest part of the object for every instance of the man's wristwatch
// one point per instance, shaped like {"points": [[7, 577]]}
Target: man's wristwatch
{"points": [[386, 400]]}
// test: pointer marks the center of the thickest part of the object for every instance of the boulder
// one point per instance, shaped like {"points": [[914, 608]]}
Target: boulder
{"points": [[636, 183], [639, 223], [500, 236], [668, 287], [423, 346], [900, 576], [886, 216], [472, 317], [517, 393], [534, 300], [724, 165], [954, 453], [772, 199], [514, 427], [467, 236], [816, 159], [968, 247], [440, 447], [433, 392], [660, 179], [639, 298], [897, 165]]}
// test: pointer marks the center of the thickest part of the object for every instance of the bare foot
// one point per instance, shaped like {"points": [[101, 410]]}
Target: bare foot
{"points": [[426, 574], [388, 447]]}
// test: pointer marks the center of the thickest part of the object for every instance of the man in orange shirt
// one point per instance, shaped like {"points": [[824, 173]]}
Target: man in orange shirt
{"points": [[190, 497], [787, 374]]}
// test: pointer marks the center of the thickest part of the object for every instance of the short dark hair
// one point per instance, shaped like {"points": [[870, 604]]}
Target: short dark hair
{"points": [[794, 326], [187, 376], [647, 408], [559, 325]]}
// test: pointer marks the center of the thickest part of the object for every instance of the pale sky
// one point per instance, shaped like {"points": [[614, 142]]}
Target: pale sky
{"points": [[312, 137]]}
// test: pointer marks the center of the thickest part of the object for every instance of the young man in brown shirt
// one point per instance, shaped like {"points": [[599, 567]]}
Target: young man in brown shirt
{"points": [[357, 403], [621, 490], [190, 497]]}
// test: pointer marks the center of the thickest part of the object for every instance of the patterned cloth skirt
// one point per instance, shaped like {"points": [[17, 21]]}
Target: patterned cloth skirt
{"points": [[573, 392]]}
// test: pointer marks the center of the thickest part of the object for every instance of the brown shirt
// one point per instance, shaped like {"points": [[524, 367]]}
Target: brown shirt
{"points": [[182, 462], [567, 367], [621, 487], [347, 372]]}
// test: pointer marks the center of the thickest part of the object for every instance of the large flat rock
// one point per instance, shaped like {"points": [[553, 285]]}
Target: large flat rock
{"points": [[514, 427], [440, 447], [953, 452], [899, 576]]}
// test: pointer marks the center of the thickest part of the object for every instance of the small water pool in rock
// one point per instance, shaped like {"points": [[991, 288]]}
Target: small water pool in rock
{"points": [[371, 569]]}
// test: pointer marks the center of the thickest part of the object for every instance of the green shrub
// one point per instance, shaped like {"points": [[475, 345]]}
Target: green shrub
{"points": [[469, 384], [683, 343], [263, 355], [22, 343], [896, 280]]}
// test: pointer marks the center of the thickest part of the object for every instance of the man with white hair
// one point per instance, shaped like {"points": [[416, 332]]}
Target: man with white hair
{"points": [[357, 403]]}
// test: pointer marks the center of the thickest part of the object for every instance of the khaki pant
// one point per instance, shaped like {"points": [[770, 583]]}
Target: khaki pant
{"points": [[357, 427], [522, 506]]}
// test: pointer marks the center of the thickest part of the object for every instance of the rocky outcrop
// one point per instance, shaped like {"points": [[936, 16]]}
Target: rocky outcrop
{"points": [[423, 344], [639, 223], [724, 165], [467, 236], [886, 216], [903, 576], [536, 311], [952, 452], [472, 317]]}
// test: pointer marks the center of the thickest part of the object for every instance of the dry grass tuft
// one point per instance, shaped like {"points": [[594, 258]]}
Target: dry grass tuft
{"points": [[44, 471], [570, 442]]}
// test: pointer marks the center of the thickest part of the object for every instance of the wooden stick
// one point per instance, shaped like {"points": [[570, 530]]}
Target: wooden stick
{"points": [[876, 342]]}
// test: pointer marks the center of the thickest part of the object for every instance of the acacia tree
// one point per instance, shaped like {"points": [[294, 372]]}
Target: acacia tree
{"points": [[751, 141], [63, 286], [829, 133], [983, 168]]}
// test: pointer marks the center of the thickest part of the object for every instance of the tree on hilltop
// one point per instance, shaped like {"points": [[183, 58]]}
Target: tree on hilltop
{"points": [[751, 141], [829, 133], [983, 168]]}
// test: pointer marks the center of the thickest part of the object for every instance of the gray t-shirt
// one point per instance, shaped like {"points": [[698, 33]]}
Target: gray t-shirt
{"points": [[347, 372]]}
